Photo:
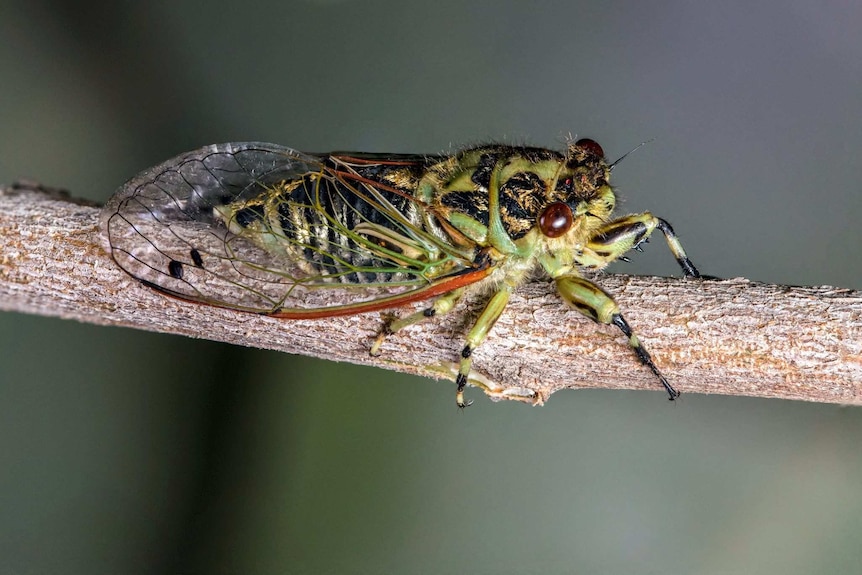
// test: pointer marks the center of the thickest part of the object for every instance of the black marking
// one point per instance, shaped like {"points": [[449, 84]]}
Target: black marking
{"points": [[566, 186], [471, 203], [643, 355], [429, 312], [621, 323], [196, 258], [482, 259], [332, 204], [482, 173], [368, 277], [310, 255], [522, 197], [521, 182], [688, 268], [665, 228], [620, 232], [466, 352], [175, 268], [247, 216], [285, 219], [586, 310], [461, 382]]}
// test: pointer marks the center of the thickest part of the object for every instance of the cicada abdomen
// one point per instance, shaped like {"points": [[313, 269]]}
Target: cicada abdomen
{"points": [[258, 227]]}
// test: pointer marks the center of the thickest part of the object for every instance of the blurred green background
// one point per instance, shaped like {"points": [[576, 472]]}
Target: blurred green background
{"points": [[129, 452]]}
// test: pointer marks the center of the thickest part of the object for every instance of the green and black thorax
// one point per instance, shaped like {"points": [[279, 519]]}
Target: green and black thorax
{"points": [[528, 180]]}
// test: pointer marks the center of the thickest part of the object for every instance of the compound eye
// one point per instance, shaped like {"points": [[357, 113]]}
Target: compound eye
{"points": [[591, 147], [555, 220]]}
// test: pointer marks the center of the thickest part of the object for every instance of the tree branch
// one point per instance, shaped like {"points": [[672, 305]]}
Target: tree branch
{"points": [[731, 337]]}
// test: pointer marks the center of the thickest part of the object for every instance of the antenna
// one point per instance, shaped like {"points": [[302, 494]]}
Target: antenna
{"points": [[620, 159]]}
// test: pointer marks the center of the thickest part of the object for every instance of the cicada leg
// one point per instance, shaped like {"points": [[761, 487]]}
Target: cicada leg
{"points": [[596, 304], [476, 336], [615, 238], [442, 305]]}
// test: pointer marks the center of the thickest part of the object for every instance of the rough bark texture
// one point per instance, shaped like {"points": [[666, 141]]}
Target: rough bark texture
{"points": [[731, 337]]}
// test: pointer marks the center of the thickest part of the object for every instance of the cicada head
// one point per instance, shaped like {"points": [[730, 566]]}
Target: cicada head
{"points": [[582, 198]]}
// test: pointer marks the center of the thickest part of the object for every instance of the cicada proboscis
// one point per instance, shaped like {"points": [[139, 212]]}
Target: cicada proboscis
{"points": [[270, 226]]}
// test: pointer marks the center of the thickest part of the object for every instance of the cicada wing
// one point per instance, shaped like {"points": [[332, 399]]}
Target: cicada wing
{"points": [[180, 228]]}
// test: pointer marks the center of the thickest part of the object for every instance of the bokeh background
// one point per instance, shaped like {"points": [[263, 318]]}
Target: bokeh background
{"points": [[129, 452]]}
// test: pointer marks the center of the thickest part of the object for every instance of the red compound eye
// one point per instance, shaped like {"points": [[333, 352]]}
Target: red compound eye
{"points": [[591, 147], [555, 220]]}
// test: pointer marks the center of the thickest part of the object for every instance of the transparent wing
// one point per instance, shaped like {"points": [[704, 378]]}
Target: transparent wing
{"points": [[264, 228]]}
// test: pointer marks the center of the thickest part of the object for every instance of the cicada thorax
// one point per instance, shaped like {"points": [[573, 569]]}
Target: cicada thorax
{"points": [[527, 180]]}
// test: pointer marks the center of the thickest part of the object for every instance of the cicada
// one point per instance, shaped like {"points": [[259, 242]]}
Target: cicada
{"points": [[266, 229]]}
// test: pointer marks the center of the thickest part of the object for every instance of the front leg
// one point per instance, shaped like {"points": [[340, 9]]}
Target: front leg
{"points": [[615, 238], [596, 304]]}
